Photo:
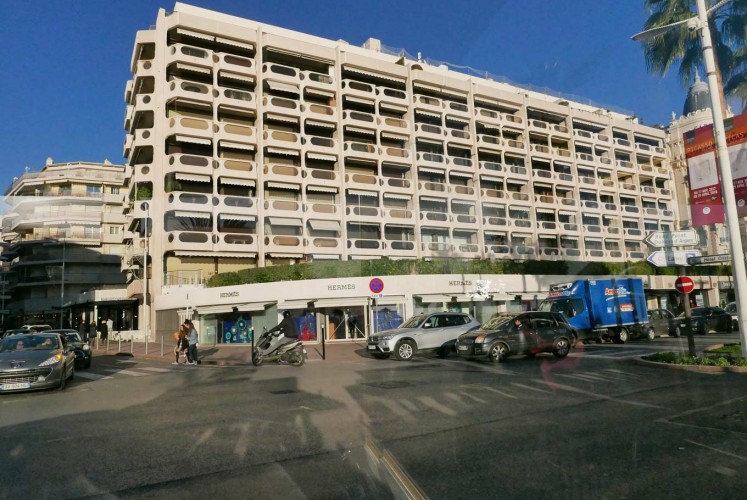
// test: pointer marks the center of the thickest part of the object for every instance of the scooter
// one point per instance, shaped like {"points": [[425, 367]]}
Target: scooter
{"points": [[292, 353]]}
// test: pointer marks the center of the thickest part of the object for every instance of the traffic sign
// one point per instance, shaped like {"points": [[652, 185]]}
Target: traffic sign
{"points": [[376, 285], [664, 239], [667, 258], [684, 284], [709, 259]]}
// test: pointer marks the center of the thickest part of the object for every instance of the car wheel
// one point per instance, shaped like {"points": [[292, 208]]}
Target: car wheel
{"points": [[442, 352], [498, 352], [379, 355], [651, 334], [561, 348], [621, 336], [677, 333], [405, 350]]}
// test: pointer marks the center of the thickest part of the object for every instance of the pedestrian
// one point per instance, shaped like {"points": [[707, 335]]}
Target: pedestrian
{"points": [[192, 340], [110, 326], [92, 331], [104, 331], [181, 344]]}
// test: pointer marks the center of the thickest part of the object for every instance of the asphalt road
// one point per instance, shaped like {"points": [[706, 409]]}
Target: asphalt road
{"points": [[592, 425]]}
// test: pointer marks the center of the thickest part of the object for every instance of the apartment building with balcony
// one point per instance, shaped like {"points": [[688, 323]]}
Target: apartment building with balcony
{"points": [[62, 240], [252, 145]]}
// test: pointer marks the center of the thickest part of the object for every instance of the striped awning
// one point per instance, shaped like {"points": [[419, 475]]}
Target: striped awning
{"points": [[193, 69], [324, 225], [358, 100], [281, 118], [457, 119], [281, 151], [238, 217], [397, 196], [439, 90], [317, 123], [464, 175], [192, 177], [428, 113], [197, 253], [285, 221], [234, 43], [192, 140], [321, 156], [395, 137], [371, 74], [320, 189], [233, 181], [236, 145], [195, 34], [278, 185], [357, 192], [393, 107], [233, 76], [430, 170], [359, 130], [282, 87], [192, 215], [433, 199], [319, 92]]}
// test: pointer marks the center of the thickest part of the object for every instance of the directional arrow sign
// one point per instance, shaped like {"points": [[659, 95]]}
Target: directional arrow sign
{"points": [[672, 257], [663, 239], [709, 259]]}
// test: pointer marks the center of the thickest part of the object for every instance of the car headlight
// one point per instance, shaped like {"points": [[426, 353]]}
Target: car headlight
{"points": [[53, 360], [386, 337], [480, 338], [86, 347]]}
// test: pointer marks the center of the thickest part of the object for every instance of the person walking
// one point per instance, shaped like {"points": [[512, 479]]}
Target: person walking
{"points": [[104, 331], [92, 331], [110, 326], [181, 344], [192, 341]]}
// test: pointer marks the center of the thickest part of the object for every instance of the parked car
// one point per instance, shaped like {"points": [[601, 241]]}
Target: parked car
{"points": [[662, 322], [431, 332], [14, 331], [37, 327], [31, 361], [731, 308], [82, 351], [706, 320], [527, 333]]}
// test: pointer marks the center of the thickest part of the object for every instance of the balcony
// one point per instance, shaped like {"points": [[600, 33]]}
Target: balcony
{"points": [[457, 108], [277, 138], [492, 194], [428, 103], [428, 131], [360, 150], [396, 155], [523, 252], [318, 80], [284, 245], [496, 222], [462, 191], [433, 160], [437, 249], [236, 168], [359, 89], [622, 144], [434, 187], [362, 181], [321, 177], [320, 210], [283, 208], [282, 73], [464, 220], [236, 64], [397, 185], [434, 219], [325, 246], [188, 201], [395, 125], [236, 242], [363, 214], [321, 112], [498, 250], [398, 214], [515, 146], [188, 240], [359, 119], [191, 91], [199, 58], [488, 116], [318, 144], [400, 248], [242, 99], [242, 135], [282, 173], [490, 167], [459, 137], [191, 129], [490, 142], [282, 106], [239, 205], [466, 250], [393, 96], [364, 247]]}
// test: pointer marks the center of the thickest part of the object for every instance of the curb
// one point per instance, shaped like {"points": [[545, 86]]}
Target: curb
{"points": [[690, 368]]}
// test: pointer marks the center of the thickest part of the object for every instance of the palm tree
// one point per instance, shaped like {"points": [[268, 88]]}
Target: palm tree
{"points": [[681, 46]]}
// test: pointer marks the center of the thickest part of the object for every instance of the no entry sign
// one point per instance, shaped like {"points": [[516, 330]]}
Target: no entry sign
{"points": [[684, 284]]}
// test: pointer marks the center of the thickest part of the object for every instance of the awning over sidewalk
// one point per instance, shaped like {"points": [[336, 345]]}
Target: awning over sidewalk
{"points": [[227, 308]]}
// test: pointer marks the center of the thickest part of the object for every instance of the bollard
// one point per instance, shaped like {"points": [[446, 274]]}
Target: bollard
{"points": [[147, 340], [119, 340], [107, 344], [132, 343], [161, 345]]}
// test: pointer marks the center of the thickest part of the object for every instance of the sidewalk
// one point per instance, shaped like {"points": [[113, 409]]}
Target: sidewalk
{"points": [[232, 355]]}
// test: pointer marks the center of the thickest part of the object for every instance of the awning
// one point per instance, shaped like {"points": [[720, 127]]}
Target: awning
{"points": [[324, 225], [321, 156], [227, 255], [491, 178], [429, 170], [395, 137], [289, 187], [281, 118], [548, 236], [280, 151], [393, 107], [464, 175], [489, 126], [320, 92], [359, 130], [285, 255], [588, 238], [371, 74], [235, 43], [358, 100], [236, 145], [227, 308], [237, 217], [495, 233], [356, 192], [395, 196], [320, 189], [439, 89], [192, 177], [324, 256], [457, 119], [428, 113], [317, 123], [464, 203], [192, 140], [341, 302], [233, 76], [430, 198], [233, 181], [195, 34], [429, 141], [282, 87], [521, 234], [193, 69], [285, 221], [432, 298], [193, 215], [400, 226]]}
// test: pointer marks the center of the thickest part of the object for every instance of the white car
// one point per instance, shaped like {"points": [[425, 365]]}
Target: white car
{"points": [[429, 332], [731, 308]]}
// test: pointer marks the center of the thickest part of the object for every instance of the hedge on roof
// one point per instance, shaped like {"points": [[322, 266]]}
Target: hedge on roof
{"points": [[385, 267]]}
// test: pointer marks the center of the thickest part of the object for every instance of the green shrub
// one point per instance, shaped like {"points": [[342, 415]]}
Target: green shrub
{"points": [[723, 362]]}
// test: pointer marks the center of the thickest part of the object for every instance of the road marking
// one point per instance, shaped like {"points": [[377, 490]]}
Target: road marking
{"points": [[432, 403], [127, 361], [537, 389], [487, 388], [154, 369], [127, 372], [716, 450], [408, 404], [92, 376], [570, 388]]}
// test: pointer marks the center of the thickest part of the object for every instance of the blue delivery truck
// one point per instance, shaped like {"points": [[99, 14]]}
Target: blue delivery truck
{"points": [[603, 309]]}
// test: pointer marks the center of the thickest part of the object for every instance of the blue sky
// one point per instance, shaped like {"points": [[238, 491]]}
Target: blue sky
{"points": [[66, 62]]}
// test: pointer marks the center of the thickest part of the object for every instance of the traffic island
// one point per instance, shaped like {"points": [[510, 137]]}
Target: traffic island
{"points": [[704, 364]]}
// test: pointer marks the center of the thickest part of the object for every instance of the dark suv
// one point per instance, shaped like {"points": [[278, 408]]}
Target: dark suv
{"points": [[527, 333]]}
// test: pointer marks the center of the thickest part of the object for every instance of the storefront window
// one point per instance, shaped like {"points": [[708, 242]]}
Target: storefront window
{"points": [[237, 330], [387, 317]]}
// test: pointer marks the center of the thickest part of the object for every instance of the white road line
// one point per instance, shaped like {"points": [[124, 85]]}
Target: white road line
{"points": [[716, 450], [570, 388], [432, 403], [127, 361], [530, 387], [92, 376], [154, 369], [481, 387], [127, 372]]}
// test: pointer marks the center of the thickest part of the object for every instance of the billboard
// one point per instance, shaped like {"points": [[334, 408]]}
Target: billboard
{"points": [[706, 205]]}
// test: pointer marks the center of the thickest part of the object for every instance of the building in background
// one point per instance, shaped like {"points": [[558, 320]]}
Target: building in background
{"points": [[62, 246], [251, 145]]}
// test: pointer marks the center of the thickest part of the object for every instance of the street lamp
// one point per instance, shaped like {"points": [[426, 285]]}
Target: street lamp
{"points": [[700, 24], [146, 310]]}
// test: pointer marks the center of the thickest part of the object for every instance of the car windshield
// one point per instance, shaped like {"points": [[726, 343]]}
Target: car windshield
{"points": [[415, 321], [497, 322], [698, 311], [29, 342], [731, 308], [72, 337]]}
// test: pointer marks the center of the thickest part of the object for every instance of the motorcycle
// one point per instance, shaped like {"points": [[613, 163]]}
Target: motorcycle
{"points": [[292, 353]]}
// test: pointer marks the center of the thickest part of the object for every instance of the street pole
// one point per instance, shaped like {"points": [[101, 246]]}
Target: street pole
{"points": [[727, 181], [62, 284], [146, 309]]}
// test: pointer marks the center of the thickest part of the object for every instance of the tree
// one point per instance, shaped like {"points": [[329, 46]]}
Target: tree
{"points": [[681, 46]]}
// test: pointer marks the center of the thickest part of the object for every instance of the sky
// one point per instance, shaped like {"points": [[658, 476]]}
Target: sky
{"points": [[66, 63]]}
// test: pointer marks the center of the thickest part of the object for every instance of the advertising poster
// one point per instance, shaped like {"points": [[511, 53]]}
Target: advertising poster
{"points": [[237, 331], [306, 325], [706, 205]]}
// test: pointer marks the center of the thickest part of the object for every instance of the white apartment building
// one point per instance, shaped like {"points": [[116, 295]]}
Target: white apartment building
{"points": [[63, 244], [255, 145]]}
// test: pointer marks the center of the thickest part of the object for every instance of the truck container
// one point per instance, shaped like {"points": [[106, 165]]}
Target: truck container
{"points": [[610, 308]]}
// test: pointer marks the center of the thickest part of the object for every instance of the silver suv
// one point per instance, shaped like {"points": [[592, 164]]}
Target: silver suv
{"points": [[435, 332]]}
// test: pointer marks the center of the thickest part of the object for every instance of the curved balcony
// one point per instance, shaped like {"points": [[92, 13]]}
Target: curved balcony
{"points": [[324, 145], [281, 105], [523, 252], [327, 246], [321, 112], [400, 248], [192, 91], [496, 222], [432, 249], [515, 146], [361, 150], [320, 176], [437, 219], [550, 253], [194, 56], [397, 155], [457, 108], [462, 191], [283, 208], [360, 89], [459, 137], [394, 185], [398, 213], [284, 245], [281, 139], [464, 219], [431, 159], [236, 242], [188, 201], [235, 168], [320, 80], [237, 98], [282, 173], [359, 213], [395, 125], [500, 250], [239, 205], [364, 246], [493, 194], [488, 116], [392, 95], [326, 211], [192, 127], [282, 73], [240, 65], [491, 167], [467, 250], [436, 187], [241, 134], [428, 103], [426, 130], [362, 180], [490, 142], [187, 240]]}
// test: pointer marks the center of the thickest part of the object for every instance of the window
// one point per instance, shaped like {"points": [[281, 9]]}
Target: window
{"points": [[113, 229], [93, 189], [115, 190]]}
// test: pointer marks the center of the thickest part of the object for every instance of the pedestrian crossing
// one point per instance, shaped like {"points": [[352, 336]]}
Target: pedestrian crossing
{"points": [[128, 369]]}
